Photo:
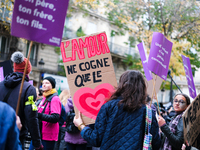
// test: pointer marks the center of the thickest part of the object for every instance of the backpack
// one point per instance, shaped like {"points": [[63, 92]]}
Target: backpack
{"points": [[70, 127], [63, 114]]}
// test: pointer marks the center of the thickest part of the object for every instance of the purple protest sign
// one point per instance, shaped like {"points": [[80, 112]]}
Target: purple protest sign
{"points": [[189, 76], [39, 20], [144, 60], [1, 74], [159, 56]]}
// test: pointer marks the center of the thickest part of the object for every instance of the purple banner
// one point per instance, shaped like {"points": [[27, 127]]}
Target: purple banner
{"points": [[189, 76], [159, 56], [39, 20], [144, 60], [1, 74]]}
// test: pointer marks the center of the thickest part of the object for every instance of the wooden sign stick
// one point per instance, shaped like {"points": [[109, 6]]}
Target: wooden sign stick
{"points": [[154, 92], [22, 83]]}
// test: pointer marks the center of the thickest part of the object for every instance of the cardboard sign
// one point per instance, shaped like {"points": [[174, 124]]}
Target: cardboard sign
{"points": [[189, 76], [144, 60], [159, 56], [90, 73], [39, 20], [191, 123], [1, 74], [158, 82]]}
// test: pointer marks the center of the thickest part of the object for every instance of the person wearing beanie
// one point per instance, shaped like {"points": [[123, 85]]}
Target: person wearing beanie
{"points": [[19, 63], [49, 111], [10, 88]]}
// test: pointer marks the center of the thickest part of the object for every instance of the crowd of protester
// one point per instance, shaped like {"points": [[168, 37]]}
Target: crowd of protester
{"points": [[120, 123]]}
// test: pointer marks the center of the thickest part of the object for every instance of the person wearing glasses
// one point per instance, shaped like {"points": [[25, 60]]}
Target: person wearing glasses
{"points": [[173, 133]]}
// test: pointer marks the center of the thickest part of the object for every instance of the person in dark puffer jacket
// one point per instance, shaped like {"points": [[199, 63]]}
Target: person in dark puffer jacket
{"points": [[120, 123], [27, 112]]}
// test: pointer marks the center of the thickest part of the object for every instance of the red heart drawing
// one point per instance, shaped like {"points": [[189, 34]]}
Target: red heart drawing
{"points": [[89, 101]]}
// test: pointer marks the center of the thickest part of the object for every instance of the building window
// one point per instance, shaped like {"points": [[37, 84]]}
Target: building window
{"points": [[33, 55], [4, 47]]}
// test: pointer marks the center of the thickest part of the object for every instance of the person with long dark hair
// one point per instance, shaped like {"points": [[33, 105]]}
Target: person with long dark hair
{"points": [[120, 123]]}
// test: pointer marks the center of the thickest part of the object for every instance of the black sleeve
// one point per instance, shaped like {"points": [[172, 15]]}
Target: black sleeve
{"points": [[31, 117], [175, 139], [53, 118]]}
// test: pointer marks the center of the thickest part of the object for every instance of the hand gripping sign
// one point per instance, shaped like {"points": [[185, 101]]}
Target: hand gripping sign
{"points": [[90, 73]]}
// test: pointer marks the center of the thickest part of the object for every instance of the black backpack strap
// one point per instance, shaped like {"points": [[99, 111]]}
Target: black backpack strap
{"points": [[49, 100], [7, 95], [45, 107]]}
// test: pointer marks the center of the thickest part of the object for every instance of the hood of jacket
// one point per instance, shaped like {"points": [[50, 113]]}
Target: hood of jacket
{"points": [[13, 79]]}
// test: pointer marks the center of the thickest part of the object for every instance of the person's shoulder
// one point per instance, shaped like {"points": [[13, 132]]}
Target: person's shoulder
{"points": [[111, 103], [6, 109], [56, 98]]}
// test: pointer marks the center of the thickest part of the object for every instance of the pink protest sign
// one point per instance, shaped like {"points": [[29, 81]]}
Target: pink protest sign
{"points": [[159, 56], [90, 73], [1, 74], [189, 76], [144, 60], [39, 20]]}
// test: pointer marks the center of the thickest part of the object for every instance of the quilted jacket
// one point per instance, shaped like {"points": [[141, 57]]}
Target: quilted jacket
{"points": [[116, 129]]}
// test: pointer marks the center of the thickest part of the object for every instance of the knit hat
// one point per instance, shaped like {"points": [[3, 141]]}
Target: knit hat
{"points": [[20, 62], [51, 80]]}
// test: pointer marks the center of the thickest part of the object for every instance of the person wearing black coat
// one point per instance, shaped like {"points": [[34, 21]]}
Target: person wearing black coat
{"points": [[10, 88], [173, 138]]}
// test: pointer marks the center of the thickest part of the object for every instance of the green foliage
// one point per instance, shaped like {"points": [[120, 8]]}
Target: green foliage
{"points": [[133, 62], [167, 84], [194, 61], [80, 32]]}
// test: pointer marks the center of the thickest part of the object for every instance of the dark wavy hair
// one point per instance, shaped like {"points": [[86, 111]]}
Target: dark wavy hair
{"points": [[186, 97], [132, 90]]}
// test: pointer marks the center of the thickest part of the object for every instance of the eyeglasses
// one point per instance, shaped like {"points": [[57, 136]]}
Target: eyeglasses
{"points": [[179, 101]]}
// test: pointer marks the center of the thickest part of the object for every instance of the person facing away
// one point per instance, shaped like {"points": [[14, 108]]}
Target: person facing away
{"points": [[49, 111], [120, 123], [27, 110], [61, 144], [74, 141], [173, 138], [9, 137]]}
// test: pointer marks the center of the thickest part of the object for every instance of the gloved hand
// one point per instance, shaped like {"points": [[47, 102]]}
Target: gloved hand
{"points": [[40, 148]]}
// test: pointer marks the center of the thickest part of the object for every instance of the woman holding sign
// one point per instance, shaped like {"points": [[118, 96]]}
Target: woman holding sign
{"points": [[173, 133], [120, 123]]}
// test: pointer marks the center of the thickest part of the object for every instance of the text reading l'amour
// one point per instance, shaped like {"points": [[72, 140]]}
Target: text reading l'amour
{"points": [[95, 45]]}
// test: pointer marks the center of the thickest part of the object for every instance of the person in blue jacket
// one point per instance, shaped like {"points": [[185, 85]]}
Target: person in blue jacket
{"points": [[9, 137], [120, 123]]}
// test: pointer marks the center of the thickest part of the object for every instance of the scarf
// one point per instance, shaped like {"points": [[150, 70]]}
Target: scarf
{"points": [[50, 92], [172, 126]]}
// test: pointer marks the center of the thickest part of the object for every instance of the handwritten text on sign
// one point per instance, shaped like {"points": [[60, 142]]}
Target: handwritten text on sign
{"points": [[144, 60], [191, 122], [90, 73], [189, 76], [37, 20], [159, 56]]}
